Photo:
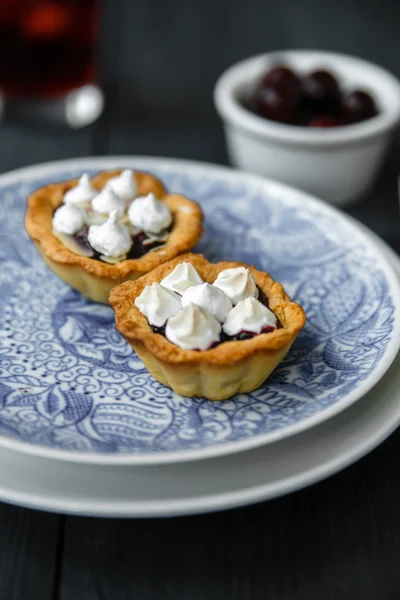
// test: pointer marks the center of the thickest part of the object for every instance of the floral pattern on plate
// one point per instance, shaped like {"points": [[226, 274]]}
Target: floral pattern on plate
{"points": [[68, 380]]}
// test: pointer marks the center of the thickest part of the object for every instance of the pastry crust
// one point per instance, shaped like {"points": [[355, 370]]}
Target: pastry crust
{"points": [[94, 278], [221, 372]]}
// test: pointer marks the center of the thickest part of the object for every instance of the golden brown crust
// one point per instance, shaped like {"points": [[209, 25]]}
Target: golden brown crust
{"points": [[185, 233], [135, 328]]}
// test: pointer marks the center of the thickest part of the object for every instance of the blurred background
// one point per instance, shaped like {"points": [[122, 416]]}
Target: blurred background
{"points": [[156, 63]]}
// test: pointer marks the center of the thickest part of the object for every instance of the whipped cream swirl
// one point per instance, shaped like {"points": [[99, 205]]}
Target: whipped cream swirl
{"points": [[193, 328], [68, 219], [209, 297], [158, 304], [251, 316], [82, 193], [124, 185], [147, 213], [110, 239], [237, 283], [107, 201], [181, 278]]}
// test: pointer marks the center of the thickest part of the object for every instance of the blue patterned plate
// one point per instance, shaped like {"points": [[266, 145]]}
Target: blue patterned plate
{"points": [[71, 388]]}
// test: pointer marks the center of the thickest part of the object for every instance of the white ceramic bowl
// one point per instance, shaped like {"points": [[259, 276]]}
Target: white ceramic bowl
{"points": [[338, 164]]}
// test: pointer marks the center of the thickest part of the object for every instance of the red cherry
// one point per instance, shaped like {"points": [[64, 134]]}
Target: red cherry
{"points": [[275, 105], [324, 121], [282, 79], [320, 86], [359, 106]]}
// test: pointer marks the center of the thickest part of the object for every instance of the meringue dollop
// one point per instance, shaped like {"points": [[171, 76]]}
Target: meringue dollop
{"points": [[106, 201], [181, 278], [69, 219], [82, 193], [158, 304], [147, 213], [124, 185], [237, 283], [110, 239], [193, 328], [249, 315], [209, 297]]}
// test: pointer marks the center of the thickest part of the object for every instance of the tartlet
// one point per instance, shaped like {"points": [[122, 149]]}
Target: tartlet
{"points": [[218, 373], [95, 278]]}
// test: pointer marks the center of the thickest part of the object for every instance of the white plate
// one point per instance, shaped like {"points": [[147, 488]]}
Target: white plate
{"points": [[212, 484], [71, 388]]}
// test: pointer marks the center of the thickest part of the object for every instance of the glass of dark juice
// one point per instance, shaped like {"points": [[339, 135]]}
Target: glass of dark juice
{"points": [[49, 60]]}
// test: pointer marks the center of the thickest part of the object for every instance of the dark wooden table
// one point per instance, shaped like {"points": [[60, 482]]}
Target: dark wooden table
{"points": [[339, 539]]}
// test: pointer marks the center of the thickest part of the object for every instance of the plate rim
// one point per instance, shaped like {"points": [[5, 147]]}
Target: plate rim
{"points": [[223, 449]]}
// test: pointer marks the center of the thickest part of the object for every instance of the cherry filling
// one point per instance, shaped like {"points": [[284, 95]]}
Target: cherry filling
{"points": [[160, 330], [245, 335], [139, 248], [82, 238], [242, 335]]}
